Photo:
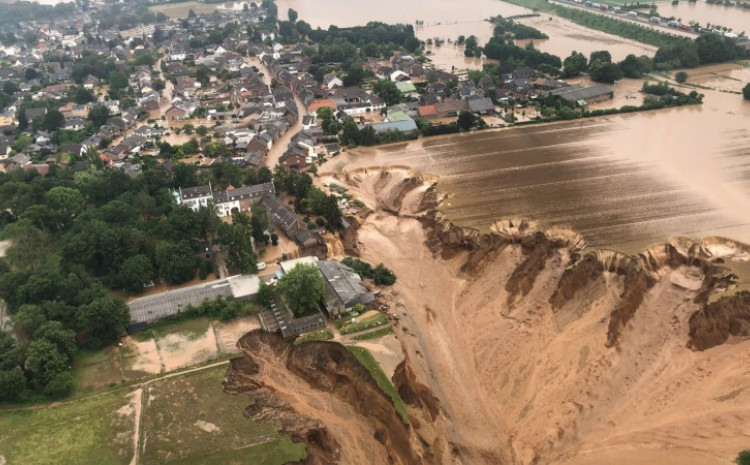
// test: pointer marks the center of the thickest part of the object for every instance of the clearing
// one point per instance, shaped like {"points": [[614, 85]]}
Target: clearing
{"points": [[190, 420], [95, 431]]}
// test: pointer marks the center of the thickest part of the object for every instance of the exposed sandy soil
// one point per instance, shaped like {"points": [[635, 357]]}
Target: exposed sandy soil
{"points": [[180, 350], [387, 352], [229, 333], [143, 357], [528, 382]]}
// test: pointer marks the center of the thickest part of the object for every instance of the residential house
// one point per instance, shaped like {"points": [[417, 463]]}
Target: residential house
{"points": [[281, 216], [344, 288]]}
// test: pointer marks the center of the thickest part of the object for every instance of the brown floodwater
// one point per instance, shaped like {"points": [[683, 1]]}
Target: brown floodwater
{"points": [[624, 182], [448, 19], [727, 16]]}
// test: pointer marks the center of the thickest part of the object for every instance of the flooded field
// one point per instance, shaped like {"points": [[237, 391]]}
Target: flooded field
{"points": [[442, 19], [726, 16], [624, 182]]}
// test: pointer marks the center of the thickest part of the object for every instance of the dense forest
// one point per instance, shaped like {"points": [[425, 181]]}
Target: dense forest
{"points": [[79, 239]]}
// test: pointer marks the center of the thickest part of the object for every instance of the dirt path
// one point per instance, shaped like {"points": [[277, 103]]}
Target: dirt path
{"points": [[104, 393], [138, 411]]}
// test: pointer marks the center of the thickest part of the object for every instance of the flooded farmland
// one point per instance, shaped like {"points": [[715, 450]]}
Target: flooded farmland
{"points": [[624, 182], [442, 19]]}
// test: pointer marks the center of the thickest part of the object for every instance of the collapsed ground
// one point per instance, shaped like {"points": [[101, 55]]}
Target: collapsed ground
{"points": [[520, 351]]}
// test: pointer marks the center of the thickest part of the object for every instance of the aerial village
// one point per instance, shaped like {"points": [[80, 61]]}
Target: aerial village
{"points": [[229, 96]]}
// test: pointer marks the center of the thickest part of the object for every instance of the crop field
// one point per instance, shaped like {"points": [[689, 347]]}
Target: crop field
{"points": [[181, 10], [96, 431], [190, 420], [185, 420]]}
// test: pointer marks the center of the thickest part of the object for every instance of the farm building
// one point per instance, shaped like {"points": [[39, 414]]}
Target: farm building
{"points": [[582, 96], [154, 307]]}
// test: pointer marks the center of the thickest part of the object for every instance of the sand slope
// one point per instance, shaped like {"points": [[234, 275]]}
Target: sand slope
{"points": [[526, 383]]}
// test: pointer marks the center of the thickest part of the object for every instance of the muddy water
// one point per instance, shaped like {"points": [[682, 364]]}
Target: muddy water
{"points": [[624, 182], [726, 16], [566, 36], [444, 20]]}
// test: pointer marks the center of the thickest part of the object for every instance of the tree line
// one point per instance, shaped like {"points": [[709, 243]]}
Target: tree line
{"points": [[77, 236]]}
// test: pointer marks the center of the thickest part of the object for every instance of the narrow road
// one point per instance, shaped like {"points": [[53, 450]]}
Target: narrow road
{"points": [[664, 29], [278, 149]]}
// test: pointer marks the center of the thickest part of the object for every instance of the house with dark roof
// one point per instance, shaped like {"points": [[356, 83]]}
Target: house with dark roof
{"points": [[480, 105], [281, 216], [582, 96], [344, 288]]}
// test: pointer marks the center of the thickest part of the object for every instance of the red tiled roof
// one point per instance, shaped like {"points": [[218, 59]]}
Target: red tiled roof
{"points": [[427, 110], [322, 103]]}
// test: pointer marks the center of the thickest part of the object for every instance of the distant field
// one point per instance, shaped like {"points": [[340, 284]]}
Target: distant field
{"points": [[89, 432], [181, 10], [186, 420], [190, 420]]}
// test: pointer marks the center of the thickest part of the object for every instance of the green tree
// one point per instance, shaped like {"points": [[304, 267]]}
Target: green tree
{"points": [[63, 338], [175, 261], [743, 458], [67, 204], [302, 288], [350, 134], [103, 321], [681, 76], [98, 116], [27, 319], [383, 276], [201, 130], [259, 223], [265, 295], [81, 95], [44, 362], [118, 80], [158, 85], [53, 120], [293, 15], [12, 384], [240, 255], [466, 120], [602, 55], [575, 65], [634, 67], [388, 91], [135, 272], [600, 71], [746, 92], [203, 75]]}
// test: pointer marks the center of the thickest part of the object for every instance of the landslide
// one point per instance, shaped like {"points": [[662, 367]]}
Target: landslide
{"points": [[537, 352], [320, 394]]}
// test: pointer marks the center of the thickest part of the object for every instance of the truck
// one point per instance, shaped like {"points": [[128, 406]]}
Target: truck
{"points": [[673, 24]]}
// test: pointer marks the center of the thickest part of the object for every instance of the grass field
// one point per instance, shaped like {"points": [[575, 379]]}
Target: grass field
{"points": [[87, 432], [190, 420], [96, 368], [322, 335], [181, 10], [193, 328], [368, 361], [367, 323], [374, 334]]}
